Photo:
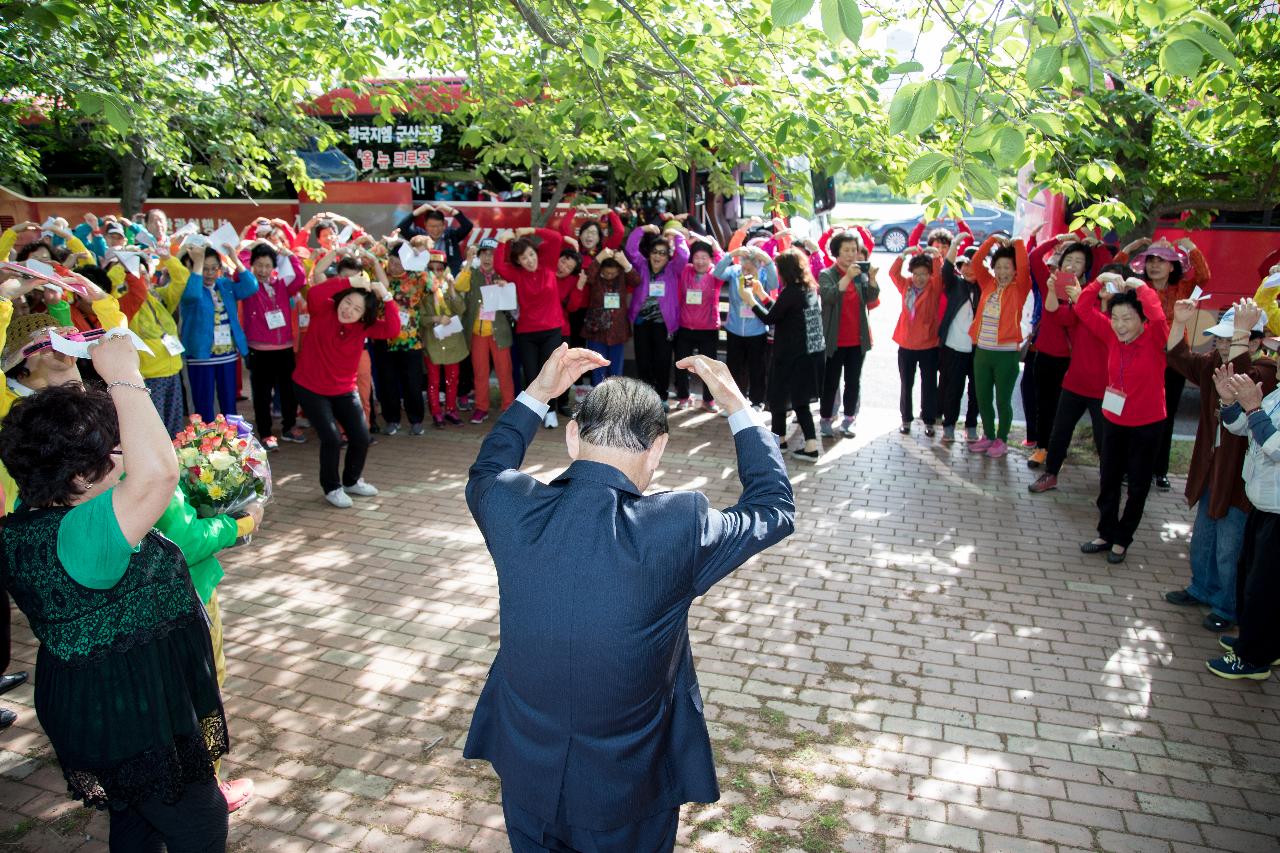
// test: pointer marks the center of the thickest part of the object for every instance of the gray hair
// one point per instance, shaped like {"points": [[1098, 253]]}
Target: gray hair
{"points": [[621, 413]]}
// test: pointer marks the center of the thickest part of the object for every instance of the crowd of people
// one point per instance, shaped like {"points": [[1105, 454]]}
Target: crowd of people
{"points": [[354, 337]]}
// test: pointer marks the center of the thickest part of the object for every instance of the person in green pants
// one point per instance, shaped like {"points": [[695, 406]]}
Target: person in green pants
{"points": [[997, 335], [200, 539]]}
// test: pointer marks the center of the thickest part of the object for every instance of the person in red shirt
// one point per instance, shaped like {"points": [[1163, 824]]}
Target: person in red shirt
{"points": [[345, 311], [532, 269], [917, 333], [1133, 405], [848, 289], [1082, 387]]}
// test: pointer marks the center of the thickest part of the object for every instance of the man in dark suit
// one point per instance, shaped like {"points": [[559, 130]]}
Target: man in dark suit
{"points": [[591, 714]]}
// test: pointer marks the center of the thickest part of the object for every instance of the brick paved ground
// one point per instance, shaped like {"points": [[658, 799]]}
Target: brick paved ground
{"points": [[929, 663]]}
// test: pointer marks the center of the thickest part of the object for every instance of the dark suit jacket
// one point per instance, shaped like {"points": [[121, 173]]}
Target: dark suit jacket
{"points": [[591, 714]]}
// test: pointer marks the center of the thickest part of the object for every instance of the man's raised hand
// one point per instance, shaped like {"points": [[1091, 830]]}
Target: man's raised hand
{"points": [[562, 368]]}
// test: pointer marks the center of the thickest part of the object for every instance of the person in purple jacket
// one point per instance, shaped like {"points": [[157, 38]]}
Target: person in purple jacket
{"points": [[655, 306]]}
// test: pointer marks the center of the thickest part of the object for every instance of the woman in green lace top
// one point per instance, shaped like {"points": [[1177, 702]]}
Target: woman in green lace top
{"points": [[125, 685]]}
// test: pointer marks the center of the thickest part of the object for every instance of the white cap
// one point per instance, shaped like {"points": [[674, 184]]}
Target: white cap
{"points": [[1227, 325]]}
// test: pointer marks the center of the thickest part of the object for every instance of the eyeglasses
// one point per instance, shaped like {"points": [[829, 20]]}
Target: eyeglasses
{"points": [[117, 452], [659, 253]]}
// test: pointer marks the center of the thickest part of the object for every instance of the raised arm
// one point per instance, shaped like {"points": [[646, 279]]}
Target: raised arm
{"points": [[1090, 315], [632, 251], [549, 249], [916, 233], [617, 231]]}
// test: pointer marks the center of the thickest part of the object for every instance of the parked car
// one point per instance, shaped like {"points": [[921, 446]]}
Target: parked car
{"points": [[984, 220]]}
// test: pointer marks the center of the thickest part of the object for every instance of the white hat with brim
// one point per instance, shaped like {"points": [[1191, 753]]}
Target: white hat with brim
{"points": [[1227, 325]]}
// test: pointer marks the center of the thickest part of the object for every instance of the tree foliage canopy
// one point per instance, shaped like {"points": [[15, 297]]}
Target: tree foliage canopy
{"points": [[1131, 108]]}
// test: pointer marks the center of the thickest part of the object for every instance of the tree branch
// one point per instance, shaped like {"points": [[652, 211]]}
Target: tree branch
{"points": [[539, 26]]}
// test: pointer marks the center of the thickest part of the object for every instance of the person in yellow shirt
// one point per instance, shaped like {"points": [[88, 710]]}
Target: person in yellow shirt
{"points": [[1266, 299], [150, 314], [40, 249]]}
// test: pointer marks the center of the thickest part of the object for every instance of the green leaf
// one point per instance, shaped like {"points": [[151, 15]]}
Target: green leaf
{"points": [[1047, 123], [948, 181], [1212, 23], [925, 109], [850, 19], [982, 183], [90, 103], [788, 12], [1008, 147], [591, 55], [115, 115], [906, 67], [831, 20], [924, 167], [1181, 58], [1149, 14], [901, 106], [1045, 66], [1211, 46]]}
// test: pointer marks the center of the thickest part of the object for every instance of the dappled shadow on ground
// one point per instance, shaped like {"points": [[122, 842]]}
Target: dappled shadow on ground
{"points": [[929, 659]]}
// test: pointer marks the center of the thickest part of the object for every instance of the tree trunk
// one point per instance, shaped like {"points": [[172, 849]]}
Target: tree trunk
{"points": [[135, 179], [537, 216]]}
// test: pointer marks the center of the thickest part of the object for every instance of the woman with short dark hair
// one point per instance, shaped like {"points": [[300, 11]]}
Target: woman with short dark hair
{"points": [[126, 691], [1135, 332]]}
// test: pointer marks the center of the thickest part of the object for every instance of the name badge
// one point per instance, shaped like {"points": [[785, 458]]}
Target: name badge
{"points": [[304, 320], [404, 318], [172, 345], [657, 288], [222, 336], [1113, 401], [693, 297], [488, 315], [613, 300], [275, 319]]}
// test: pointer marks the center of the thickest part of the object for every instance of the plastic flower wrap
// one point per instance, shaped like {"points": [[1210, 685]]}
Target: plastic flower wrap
{"points": [[224, 467]]}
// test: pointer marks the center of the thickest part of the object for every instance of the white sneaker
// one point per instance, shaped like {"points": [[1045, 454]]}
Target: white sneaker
{"points": [[551, 421], [361, 489], [338, 498]]}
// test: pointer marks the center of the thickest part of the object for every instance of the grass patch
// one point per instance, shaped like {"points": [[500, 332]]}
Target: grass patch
{"points": [[14, 833], [1082, 454]]}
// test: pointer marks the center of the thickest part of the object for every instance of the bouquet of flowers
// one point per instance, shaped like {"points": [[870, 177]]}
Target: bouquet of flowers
{"points": [[224, 467]]}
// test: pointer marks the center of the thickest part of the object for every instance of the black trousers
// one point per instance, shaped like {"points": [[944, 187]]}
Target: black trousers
{"points": [[791, 382], [271, 370], [325, 414], [6, 646], [196, 823], [1258, 589], [846, 360], [1174, 382], [1071, 406], [1050, 369], [1131, 451], [956, 372], [534, 348], [705, 342], [927, 361], [1027, 387], [745, 356], [399, 375], [653, 355]]}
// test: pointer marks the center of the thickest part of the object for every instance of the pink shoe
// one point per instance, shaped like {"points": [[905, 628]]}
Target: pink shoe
{"points": [[237, 793], [980, 445], [997, 449]]}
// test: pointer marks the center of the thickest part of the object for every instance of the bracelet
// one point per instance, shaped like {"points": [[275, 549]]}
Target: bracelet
{"points": [[111, 385]]}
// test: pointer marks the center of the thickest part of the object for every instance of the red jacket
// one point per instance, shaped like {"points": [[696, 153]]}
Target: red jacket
{"points": [[612, 237], [1087, 372], [1136, 368], [330, 354], [964, 235], [571, 298], [537, 292], [918, 329]]}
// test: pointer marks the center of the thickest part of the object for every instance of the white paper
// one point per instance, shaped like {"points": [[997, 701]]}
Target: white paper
{"points": [[275, 319], [285, 268], [40, 267], [46, 227], [144, 238], [225, 236], [80, 349], [414, 261], [498, 297], [453, 327], [193, 241], [184, 232], [1113, 402], [344, 236], [132, 260]]}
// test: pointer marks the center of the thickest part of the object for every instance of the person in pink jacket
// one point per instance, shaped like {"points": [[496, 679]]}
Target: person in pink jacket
{"points": [[699, 329], [268, 328]]}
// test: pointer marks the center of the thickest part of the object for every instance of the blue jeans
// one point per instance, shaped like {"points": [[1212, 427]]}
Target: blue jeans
{"points": [[613, 352], [1215, 552]]}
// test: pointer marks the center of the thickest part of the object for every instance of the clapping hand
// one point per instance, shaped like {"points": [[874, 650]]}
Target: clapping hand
{"points": [[1247, 392], [562, 368], [1222, 381]]}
